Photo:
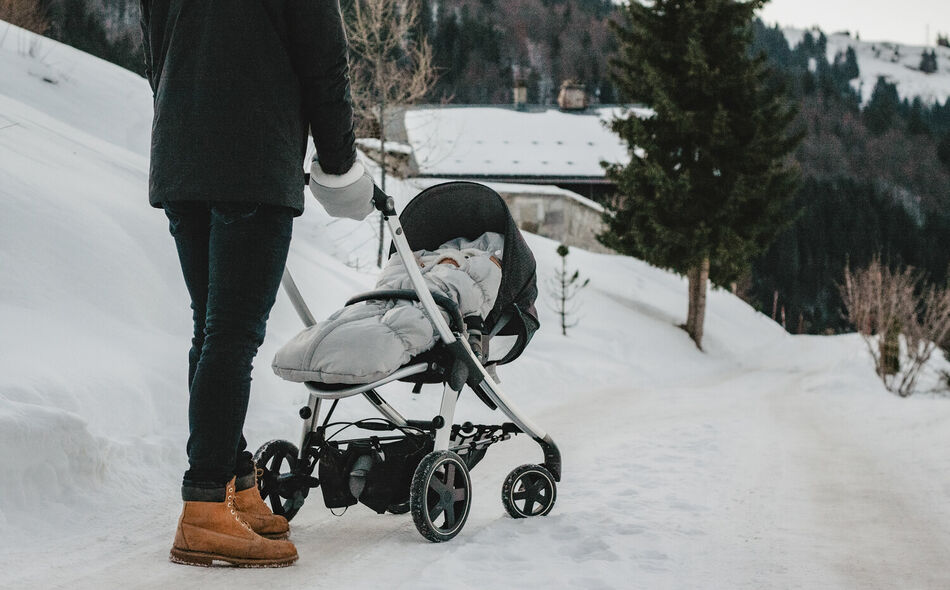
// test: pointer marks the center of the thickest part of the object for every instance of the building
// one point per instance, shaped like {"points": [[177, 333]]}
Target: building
{"points": [[534, 145]]}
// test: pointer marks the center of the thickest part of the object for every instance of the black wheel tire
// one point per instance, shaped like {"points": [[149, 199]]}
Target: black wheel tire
{"points": [[277, 460], [401, 508], [441, 493], [528, 491]]}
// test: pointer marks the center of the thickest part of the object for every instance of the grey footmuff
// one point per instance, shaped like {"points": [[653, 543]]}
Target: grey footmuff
{"points": [[368, 341]]}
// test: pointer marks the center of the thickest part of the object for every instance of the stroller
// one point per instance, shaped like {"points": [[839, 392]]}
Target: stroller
{"points": [[422, 466]]}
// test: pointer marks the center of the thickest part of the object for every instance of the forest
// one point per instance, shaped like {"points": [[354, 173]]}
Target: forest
{"points": [[874, 180]]}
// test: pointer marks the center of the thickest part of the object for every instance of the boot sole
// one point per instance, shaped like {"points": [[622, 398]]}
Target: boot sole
{"points": [[201, 558]]}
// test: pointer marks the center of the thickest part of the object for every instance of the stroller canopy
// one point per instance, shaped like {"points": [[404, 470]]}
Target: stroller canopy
{"points": [[451, 210]]}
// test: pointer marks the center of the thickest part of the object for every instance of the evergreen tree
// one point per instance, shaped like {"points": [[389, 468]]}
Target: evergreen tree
{"points": [[916, 122], [708, 181], [849, 69], [943, 151], [807, 46], [821, 49], [928, 61], [883, 107], [773, 43]]}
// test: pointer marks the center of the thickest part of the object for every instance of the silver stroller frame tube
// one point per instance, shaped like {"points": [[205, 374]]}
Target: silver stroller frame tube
{"points": [[478, 377]]}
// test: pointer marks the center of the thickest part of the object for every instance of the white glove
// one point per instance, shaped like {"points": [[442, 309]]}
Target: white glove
{"points": [[346, 195]]}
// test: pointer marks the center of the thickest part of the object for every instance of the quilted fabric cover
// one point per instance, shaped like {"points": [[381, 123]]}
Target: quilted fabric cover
{"points": [[368, 341]]}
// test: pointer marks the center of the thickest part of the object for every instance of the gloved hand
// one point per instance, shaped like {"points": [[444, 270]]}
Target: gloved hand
{"points": [[348, 195]]}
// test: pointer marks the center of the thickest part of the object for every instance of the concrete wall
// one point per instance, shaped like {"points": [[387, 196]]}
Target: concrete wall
{"points": [[558, 217]]}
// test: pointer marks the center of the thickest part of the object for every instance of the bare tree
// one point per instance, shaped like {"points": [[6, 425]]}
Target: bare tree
{"points": [[881, 303], [392, 67], [27, 14], [565, 286]]}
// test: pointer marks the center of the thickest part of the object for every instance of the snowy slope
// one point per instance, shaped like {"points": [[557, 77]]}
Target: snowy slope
{"points": [[90, 94], [898, 63], [767, 461]]}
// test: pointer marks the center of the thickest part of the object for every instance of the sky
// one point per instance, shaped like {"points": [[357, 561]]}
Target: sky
{"points": [[903, 21]]}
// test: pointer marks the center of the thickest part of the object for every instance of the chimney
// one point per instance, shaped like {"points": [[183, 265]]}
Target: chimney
{"points": [[520, 92], [572, 97]]}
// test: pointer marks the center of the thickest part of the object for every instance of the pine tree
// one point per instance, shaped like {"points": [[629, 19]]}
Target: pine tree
{"points": [[850, 69], [709, 179], [928, 61], [883, 107], [943, 151], [916, 122]]}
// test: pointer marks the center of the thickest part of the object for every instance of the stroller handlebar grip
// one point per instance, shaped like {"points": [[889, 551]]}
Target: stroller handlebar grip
{"points": [[383, 202]]}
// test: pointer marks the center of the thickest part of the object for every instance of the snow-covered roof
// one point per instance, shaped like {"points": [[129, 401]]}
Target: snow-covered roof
{"points": [[505, 142]]}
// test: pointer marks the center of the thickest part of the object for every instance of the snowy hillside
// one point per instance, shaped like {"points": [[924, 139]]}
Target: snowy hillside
{"points": [[767, 461], [898, 63]]}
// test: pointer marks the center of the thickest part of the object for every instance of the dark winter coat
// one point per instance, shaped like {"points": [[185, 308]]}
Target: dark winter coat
{"points": [[237, 85]]}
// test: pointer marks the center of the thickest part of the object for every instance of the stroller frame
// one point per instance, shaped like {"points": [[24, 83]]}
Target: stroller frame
{"points": [[466, 369]]}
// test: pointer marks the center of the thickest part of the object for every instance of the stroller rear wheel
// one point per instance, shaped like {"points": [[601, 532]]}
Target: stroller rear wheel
{"points": [[277, 460], [529, 490], [441, 496]]}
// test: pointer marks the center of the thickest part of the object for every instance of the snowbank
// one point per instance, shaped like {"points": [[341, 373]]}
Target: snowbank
{"points": [[86, 92]]}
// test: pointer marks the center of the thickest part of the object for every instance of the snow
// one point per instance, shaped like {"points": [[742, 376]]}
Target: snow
{"points": [[499, 141], [898, 63], [768, 460], [90, 94]]}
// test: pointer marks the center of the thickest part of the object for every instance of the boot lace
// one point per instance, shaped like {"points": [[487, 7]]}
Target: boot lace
{"points": [[234, 511]]}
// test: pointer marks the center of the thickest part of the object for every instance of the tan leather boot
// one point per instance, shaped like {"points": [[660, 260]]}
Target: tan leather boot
{"points": [[213, 531], [252, 510]]}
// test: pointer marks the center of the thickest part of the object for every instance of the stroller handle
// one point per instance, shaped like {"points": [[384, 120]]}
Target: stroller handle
{"points": [[383, 202]]}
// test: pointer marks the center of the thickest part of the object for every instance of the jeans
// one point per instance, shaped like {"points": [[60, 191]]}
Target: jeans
{"points": [[232, 257]]}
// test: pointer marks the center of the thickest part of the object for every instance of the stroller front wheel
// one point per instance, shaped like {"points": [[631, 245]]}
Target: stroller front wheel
{"points": [[529, 490], [441, 496]]}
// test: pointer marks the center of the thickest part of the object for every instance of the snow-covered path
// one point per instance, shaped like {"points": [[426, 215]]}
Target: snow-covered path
{"points": [[753, 479], [866, 499]]}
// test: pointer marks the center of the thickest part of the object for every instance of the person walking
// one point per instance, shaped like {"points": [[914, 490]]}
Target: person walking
{"points": [[237, 87]]}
